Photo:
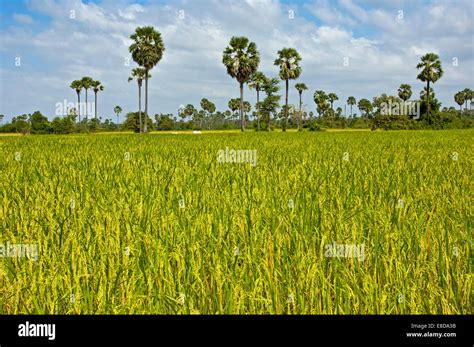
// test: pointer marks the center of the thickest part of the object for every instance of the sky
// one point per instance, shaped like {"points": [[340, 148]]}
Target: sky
{"points": [[350, 47]]}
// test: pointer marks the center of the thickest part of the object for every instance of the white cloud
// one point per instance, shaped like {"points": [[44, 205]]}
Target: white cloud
{"points": [[23, 18]]}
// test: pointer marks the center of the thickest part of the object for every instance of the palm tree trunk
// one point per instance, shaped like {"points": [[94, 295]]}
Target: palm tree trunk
{"points": [[79, 106], [428, 97], [117, 121], [95, 104], [242, 120], [145, 125], [351, 110], [299, 118], [140, 108], [286, 106], [258, 109], [87, 108]]}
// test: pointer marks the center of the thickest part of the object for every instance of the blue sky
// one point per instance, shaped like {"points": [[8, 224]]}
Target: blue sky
{"points": [[382, 40]]}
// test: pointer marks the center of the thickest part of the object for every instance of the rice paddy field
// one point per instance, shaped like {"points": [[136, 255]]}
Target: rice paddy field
{"points": [[133, 224]]}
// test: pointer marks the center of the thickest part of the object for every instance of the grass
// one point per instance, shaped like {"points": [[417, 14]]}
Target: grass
{"points": [[171, 230]]}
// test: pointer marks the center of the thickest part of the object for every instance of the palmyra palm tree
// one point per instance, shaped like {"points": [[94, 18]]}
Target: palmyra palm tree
{"points": [[96, 87], [241, 59], [332, 97], [288, 60], [147, 51], [404, 92], [467, 95], [459, 97], [77, 86], [86, 84], [431, 71], [300, 87], [117, 111], [256, 82], [139, 74], [351, 101]]}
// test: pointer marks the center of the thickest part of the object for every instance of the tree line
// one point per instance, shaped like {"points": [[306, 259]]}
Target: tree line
{"points": [[241, 59]]}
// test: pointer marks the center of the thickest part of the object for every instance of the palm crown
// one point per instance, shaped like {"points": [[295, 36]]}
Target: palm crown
{"points": [[431, 68], [241, 58], [288, 60], [148, 48]]}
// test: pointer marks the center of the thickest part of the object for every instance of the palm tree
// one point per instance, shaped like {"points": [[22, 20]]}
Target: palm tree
{"points": [[139, 74], [404, 92], [459, 97], [431, 71], [288, 60], [147, 51], [241, 58], [86, 84], [467, 95], [256, 82], [332, 97], [351, 101], [96, 87], [77, 86], [117, 111], [300, 87]]}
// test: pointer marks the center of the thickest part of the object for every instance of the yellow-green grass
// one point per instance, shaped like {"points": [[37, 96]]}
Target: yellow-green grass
{"points": [[126, 246]]}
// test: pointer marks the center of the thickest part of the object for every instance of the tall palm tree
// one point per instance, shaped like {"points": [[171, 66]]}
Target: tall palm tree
{"points": [[147, 51], [96, 87], [288, 60], [241, 58], [77, 86], [139, 74], [300, 87], [256, 82], [351, 101], [431, 71], [459, 97], [467, 95], [332, 97], [404, 92], [86, 84], [117, 111]]}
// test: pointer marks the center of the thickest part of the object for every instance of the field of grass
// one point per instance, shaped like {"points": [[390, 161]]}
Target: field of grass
{"points": [[172, 230]]}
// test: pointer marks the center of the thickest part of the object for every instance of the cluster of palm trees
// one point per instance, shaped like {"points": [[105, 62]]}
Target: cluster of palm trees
{"points": [[464, 96], [241, 59], [86, 83]]}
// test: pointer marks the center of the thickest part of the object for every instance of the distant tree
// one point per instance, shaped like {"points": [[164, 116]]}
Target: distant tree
{"points": [[459, 97], [147, 51], [365, 106], [300, 87], [96, 87], [404, 92], [139, 74], [332, 97], [321, 100], [467, 95], [431, 71], [241, 59], [117, 111], [270, 104], [87, 84], [77, 86], [256, 82], [351, 101], [288, 60], [39, 123], [132, 122]]}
